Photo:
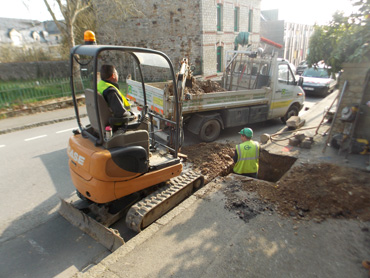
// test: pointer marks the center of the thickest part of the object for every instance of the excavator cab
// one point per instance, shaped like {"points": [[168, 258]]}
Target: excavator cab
{"points": [[105, 165]]}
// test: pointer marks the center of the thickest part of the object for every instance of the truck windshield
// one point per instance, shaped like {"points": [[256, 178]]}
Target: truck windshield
{"points": [[318, 72]]}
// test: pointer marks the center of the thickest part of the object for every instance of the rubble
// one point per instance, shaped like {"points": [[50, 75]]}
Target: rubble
{"points": [[199, 87], [301, 140], [295, 122]]}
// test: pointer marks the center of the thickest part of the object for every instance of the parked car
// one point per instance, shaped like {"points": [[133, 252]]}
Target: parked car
{"points": [[301, 67], [318, 81]]}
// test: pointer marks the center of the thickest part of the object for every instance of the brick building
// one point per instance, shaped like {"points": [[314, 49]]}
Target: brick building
{"points": [[201, 30]]}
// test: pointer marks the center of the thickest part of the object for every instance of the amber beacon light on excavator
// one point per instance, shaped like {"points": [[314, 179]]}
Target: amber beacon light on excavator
{"points": [[118, 164]]}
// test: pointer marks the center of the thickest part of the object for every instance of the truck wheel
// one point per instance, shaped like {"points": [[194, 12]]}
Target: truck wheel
{"points": [[210, 131], [293, 111]]}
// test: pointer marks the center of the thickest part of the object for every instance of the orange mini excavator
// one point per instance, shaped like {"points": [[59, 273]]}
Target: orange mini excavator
{"points": [[119, 166]]}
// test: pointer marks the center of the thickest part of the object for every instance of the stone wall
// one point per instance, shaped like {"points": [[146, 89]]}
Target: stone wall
{"points": [[355, 93], [34, 70], [180, 29], [172, 27]]}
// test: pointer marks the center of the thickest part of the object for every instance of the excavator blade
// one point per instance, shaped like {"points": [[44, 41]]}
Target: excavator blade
{"points": [[109, 238]]}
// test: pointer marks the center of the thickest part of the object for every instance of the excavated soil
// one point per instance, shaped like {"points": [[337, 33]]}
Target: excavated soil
{"points": [[306, 191], [210, 159], [199, 87]]}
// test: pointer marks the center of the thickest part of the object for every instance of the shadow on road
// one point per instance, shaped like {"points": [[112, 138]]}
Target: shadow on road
{"points": [[52, 246]]}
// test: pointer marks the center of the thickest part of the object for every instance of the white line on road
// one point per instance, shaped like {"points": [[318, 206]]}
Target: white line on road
{"points": [[33, 138], [61, 131]]}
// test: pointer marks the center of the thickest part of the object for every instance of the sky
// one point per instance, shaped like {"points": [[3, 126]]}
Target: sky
{"points": [[307, 11], [297, 11]]}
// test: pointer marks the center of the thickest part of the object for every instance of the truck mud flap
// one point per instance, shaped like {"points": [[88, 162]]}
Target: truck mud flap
{"points": [[107, 237]]}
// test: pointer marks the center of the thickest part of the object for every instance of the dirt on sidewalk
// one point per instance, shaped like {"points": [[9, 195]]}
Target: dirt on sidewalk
{"points": [[307, 191]]}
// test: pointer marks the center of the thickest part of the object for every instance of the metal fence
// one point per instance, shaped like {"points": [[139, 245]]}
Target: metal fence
{"points": [[26, 92]]}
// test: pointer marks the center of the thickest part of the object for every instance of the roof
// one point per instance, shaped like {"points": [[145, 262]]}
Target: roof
{"points": [[26, 31]]}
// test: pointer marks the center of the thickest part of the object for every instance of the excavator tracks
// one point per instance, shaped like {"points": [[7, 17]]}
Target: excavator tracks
{"points": [[152, 207]]}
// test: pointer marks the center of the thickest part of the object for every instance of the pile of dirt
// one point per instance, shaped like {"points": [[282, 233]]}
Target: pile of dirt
{"points": [[306, 191], [204, 87], [319, 191], [199, 87], [210, 159]]}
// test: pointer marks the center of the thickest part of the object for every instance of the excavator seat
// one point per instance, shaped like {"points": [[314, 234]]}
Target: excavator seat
{"points": [[124, 137]]}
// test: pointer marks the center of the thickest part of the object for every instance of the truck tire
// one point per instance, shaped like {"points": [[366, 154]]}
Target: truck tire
{"points": [[210, 131], [292, 111]]}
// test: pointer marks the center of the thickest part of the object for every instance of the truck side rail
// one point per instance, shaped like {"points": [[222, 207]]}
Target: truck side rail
{"points": [[159, 99]]}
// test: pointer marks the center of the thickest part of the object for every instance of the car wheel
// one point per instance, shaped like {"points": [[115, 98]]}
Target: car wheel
{"points": [[292, 111], [210, 131]]}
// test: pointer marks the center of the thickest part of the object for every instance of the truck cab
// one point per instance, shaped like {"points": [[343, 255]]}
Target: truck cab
{"points": [[288, 95]]}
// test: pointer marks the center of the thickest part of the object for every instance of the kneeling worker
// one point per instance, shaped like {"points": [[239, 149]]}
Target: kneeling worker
{"points": [[247, 154]]}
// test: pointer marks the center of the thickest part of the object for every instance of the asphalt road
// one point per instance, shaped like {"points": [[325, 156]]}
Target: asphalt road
{"points": [[35, 240]]}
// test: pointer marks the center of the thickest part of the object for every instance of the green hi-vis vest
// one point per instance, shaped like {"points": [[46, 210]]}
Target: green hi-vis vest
{"points": [[102, 86], [248, 157]]}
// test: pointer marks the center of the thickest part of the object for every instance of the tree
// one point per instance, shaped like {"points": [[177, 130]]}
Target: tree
{"points": [[345, 39], [72, 10]]}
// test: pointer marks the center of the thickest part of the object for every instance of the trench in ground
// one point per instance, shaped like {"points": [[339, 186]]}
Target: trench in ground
{"points": [[244, 198], [272, 167]]}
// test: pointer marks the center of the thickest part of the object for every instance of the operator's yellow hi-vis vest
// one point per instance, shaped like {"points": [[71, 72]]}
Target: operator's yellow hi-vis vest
{"points": [[102, 86], [248, 158]]}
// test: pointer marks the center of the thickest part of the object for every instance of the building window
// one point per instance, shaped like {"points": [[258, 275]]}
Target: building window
{"points": [[219, 17], [236, 19], [219, 58], [250, 21]]}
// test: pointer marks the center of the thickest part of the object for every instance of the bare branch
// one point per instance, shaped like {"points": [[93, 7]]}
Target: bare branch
{"points": [[61, 29]]}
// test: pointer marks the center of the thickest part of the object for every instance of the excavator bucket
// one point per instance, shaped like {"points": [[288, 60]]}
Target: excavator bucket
{"points": [[109, 238]]}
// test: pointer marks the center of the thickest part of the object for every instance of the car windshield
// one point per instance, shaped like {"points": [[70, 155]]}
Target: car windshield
{"points": [[318, 72]]}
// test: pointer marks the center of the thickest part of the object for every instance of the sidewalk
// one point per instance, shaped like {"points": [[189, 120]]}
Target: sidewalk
{"points": [[44, 118], [201, 238]]}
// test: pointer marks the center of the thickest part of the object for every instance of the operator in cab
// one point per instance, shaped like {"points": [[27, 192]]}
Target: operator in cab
{"points": [[247, 154], [108, 87]]}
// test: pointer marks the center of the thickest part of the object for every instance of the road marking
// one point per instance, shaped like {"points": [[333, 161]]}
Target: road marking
{"points": [[1, 146], [38, 247], [66, 130], [33, 138]]}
